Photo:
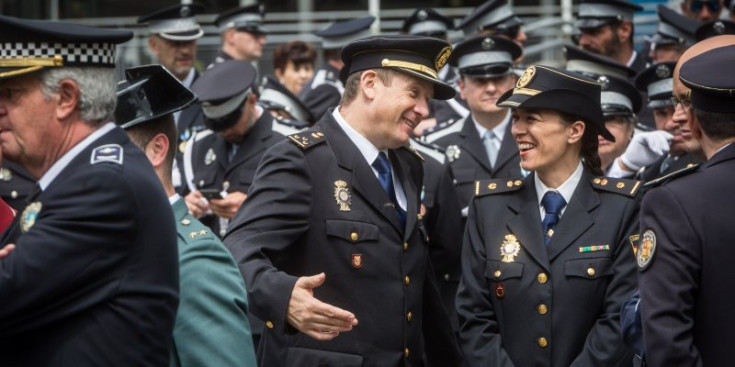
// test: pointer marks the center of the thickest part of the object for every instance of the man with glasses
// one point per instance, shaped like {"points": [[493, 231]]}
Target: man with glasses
{"points": [[243, 35], [703, 11]]}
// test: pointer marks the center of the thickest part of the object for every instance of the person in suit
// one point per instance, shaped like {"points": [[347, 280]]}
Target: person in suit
{"points": [[211, 325], [686, 225], [243, 34], [173, 40], [93, 278], [325, 89], [330, 240], [534, 248], [480, 146]]}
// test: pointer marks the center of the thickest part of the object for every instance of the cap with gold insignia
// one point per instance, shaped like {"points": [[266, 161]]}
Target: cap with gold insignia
{"points": [[31, 45], [245, 19], [427, 22], [492, 14], [147, 93], [274, 96], [221, 99], [674, 28], [596, 13], [338, 34], [176, 22], [657, 80], [417, 56], [712, 90], [545, 87], [714, 28], [485, 56]]}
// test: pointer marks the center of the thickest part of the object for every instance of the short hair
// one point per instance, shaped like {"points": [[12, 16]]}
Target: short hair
{"points": [[717, 125], [352, 85], [298, 52], [143, 133], [97, 90], [334, 54]]}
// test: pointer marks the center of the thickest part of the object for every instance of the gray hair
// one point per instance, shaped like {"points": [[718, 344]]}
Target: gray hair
{"points": [[97, 90]]}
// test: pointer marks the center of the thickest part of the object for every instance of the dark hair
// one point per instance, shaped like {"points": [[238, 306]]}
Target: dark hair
{"points": [[142, 134], [297, 52], [332, 54], [717, 125], [590, 157]]}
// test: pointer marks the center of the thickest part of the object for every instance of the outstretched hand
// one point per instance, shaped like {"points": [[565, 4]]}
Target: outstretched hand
{"points": [[314, 318]]}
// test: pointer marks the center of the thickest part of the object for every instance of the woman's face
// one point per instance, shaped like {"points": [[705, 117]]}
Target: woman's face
{"points": [[295, 77], [545, 142]]}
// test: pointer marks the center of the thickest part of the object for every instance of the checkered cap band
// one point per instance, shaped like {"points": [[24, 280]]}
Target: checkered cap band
{"points": [[74, 54]]}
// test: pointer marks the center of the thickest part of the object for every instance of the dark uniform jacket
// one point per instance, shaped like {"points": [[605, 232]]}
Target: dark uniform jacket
{"points": [[323, 91], [15, 184], [467, 157], [653, 171], [547, 306], [190, 122], [93, 280], [687, 287], [316, 206]]}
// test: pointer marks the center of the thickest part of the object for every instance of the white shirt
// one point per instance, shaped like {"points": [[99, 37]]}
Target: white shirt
{"points": [[370, 153], [566, 189]]}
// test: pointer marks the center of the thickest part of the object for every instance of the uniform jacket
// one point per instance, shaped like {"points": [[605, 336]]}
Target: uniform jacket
{"points": [[15, 185], [189, 123], [547, 306], [94, 281], [211, 326], [293, 224], [653, 171], [689, 275], [323, 91], [467, 157]]}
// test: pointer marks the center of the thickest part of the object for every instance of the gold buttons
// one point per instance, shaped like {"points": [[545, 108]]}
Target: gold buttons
{"points": [[509, 183], [591, 272], [269, 324], [542, 309], [517, 182], [407, 280], [542, 278], [406, 352], [14, 194], [542, 342], [596, 181], [492, 186], [405, 246], [497, 273], [354, 237], [409, 316], [620, 185], [603, 182]]}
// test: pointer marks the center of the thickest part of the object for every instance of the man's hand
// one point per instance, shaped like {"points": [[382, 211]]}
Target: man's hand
{"points": [[645, 148], [227, 207], [197, 204], [5, 251], [314, 318]]}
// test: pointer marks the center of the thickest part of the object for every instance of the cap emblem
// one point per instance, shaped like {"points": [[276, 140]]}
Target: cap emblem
{"points": [[663, 71], [488, 43], [422, 15], [604, 82], [442, 57], [527, 77], [184, 12], [719, 28]]}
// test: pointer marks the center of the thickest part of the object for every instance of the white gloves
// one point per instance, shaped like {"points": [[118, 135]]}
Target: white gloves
{"points": [[645, 148]]}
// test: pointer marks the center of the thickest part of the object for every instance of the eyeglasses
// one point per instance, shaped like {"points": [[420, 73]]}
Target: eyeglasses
{"points": [[696, 7], [685, 103]]}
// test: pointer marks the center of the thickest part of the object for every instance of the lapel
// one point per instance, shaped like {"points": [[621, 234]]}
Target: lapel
{"points": [[404, 173], [576, 218], [363, 179], [219, 147], [526, 224], [252, 143], [508, 150], [472, 144]]}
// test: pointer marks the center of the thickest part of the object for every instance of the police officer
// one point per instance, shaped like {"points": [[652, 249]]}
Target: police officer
{"points": [[674, 35], [325, 89], [714, 28], [283, 104], [683, 257], [330, 240], [480, 146], [546, 261], [242, 32]]}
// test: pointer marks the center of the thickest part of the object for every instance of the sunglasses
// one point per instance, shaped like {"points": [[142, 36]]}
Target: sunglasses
{"points": [[713, 5]]}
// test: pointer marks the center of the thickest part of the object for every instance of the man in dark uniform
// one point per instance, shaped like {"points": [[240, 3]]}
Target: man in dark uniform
{"points": [[674, 35], [480, 146], [221, 161], [325, 89], [684, 255], [330, 240], [283, 104], [93, 278], [173, 39], [243, 35]]}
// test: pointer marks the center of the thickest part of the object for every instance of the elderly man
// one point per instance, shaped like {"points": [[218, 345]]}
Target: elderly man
{"points": [[93, 278], [330, 239]]}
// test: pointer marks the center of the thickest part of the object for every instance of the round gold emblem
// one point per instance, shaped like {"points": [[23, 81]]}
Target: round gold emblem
{"points": [[526, 77]]}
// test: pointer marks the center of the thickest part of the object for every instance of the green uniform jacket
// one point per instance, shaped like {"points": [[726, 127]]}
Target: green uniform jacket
{"points": [[211, 326]]}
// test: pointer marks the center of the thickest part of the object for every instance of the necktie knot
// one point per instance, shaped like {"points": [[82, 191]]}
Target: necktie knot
{"points": [[553, 202], [381, 164]]}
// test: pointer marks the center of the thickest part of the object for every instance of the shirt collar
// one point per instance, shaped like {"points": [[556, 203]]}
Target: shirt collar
{"points": [[566, 189], [632, 59], [368, 150], [189, 78], [65, 159], [498, 130]]}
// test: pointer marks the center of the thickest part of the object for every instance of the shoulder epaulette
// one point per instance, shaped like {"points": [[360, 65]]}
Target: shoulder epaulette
{"points": [[664, 179], [307, 138], [617, 185], [496, 186], [108, 153], [433, 151], [203, 134], [443, 129]]}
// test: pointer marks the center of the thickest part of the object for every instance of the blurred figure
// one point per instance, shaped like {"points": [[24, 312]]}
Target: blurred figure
{"points": [[714, 28], [15, 184], [675, 34], [293, 64], [242, 33], [284, 105], [702, 10], [495, 18]]}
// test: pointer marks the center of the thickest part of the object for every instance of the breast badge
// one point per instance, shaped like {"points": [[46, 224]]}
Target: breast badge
{"points": [[452, 153], [646, 249], [342, 195], [357, 261], [28, 218], [509, 248], [209, 157]]}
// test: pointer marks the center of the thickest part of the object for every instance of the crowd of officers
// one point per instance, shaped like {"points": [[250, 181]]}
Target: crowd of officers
{"points": [[408, 203]]}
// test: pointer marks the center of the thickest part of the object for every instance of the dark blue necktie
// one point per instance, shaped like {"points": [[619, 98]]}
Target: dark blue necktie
{"points": [[553, 203], [385, 177]]}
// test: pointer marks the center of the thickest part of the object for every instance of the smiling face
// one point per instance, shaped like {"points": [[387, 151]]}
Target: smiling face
{"points": [[176, 56], [294, 77]]}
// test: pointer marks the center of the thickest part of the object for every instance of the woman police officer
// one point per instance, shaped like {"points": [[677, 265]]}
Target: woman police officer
{"points": [[547, 261]]}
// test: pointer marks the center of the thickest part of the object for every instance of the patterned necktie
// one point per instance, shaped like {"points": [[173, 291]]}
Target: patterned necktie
{"points": [[553, 203], [385, 177], [488, 140]]}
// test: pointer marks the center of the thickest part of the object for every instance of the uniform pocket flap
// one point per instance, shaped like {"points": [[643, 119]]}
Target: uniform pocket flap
{"points": [[352, 231], [304, 357], [498, 270], [589, 268], [464, 175]]}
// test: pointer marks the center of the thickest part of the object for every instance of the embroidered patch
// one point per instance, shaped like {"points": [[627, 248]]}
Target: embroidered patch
{"points": [[646, 249]]}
